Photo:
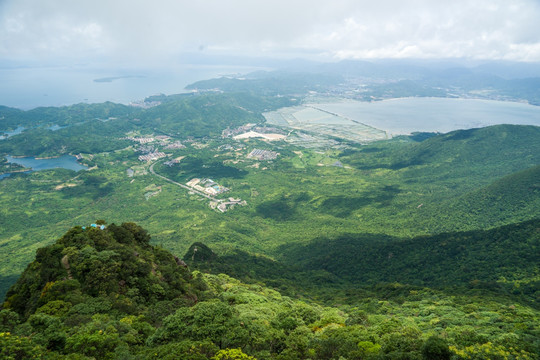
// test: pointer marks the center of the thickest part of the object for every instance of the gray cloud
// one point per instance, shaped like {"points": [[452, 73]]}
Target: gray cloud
{"points": [[152, 31]]}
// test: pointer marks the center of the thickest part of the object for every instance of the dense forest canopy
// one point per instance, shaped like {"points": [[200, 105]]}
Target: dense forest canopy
{"points": [[104, 291]]}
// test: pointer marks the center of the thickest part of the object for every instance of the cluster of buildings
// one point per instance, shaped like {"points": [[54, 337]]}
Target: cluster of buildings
{"points": [[144, 104], [141, 140], [263, 154], [175, 145], [163, 138], [152, 156], [239, 130], [171, 163], [207, 186], [226, 205]]}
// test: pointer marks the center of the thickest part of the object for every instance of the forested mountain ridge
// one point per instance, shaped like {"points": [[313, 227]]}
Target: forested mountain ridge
{"points": [[517, 194], [383, 80], [118, 261], [456, 151], [502, 261], [104, 292], [271, 83], [507, 255]]}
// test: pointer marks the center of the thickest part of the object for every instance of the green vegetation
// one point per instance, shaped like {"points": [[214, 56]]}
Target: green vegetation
{"points": [[271, 83], [101, 127], [109, 294], [454, 182], [62, 116], [416, 247], [501, 257]]}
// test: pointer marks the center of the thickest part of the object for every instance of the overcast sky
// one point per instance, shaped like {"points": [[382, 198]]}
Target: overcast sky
{"points": [[146, 32]]}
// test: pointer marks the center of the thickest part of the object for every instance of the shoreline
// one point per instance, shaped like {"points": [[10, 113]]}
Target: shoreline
{"points": [[17, 171], [45, 157]]}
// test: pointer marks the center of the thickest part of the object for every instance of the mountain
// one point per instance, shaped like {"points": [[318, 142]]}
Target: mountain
{"points": [[501, 260], [384, 79], [456, 151], [62, 116], [93, 128], [103, 292], [506, 255], [89, 261], [512, 198], [271, 83]]}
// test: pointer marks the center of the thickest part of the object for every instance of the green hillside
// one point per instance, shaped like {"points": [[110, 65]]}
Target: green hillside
{"points": [[501, 261], [62, 116], [108, 294], [271, 83], [512, 198], [88, 261], [505, 256], [91, 128], [466, 179], [462, 154]]}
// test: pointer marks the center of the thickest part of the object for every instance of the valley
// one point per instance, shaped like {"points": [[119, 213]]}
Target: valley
{"points": [[270, 180], [435, 231]]}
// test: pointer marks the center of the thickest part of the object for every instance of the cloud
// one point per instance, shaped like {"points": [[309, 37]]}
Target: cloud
{"points": [[146, 31]]}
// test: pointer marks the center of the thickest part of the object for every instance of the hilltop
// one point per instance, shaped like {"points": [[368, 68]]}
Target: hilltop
{"points": [[104, 292], [90, 262]]}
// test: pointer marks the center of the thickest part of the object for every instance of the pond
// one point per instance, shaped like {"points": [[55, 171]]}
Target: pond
{"points": [[65, 161]]}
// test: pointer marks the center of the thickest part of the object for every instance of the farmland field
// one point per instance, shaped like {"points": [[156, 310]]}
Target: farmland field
{"points": [[320, 122]]}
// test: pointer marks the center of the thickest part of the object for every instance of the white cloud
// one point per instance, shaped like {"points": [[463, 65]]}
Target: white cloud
{"points": [[153, 30]]}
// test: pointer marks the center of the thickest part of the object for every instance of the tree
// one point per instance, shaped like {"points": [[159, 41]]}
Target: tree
{"points": [[19, 347], [8, 320], [436, 348], [232, 354]]}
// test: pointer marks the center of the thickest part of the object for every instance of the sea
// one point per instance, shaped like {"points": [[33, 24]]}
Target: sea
{"points": [[421, 114], [30, 87]]}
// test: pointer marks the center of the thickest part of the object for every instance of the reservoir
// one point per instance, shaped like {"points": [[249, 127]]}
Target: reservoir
{"points": [[4, 175], [64, 161], [7, 134]]}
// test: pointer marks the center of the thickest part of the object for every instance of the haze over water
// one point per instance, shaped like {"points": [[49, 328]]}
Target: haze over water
{"points": [[30, 87], [407, 115]]}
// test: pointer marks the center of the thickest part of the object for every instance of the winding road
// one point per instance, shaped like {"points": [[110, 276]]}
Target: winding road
{"points": [[182, 185]]}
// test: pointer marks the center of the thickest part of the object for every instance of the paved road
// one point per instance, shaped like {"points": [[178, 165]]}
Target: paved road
{"points": [[182, 185]]}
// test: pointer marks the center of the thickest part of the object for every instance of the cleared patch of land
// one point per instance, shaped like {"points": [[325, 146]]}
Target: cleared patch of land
{"points": [[253, 134]]}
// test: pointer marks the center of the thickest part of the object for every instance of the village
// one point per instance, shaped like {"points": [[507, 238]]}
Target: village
{"points": [[163, 149], [246, 147]]}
